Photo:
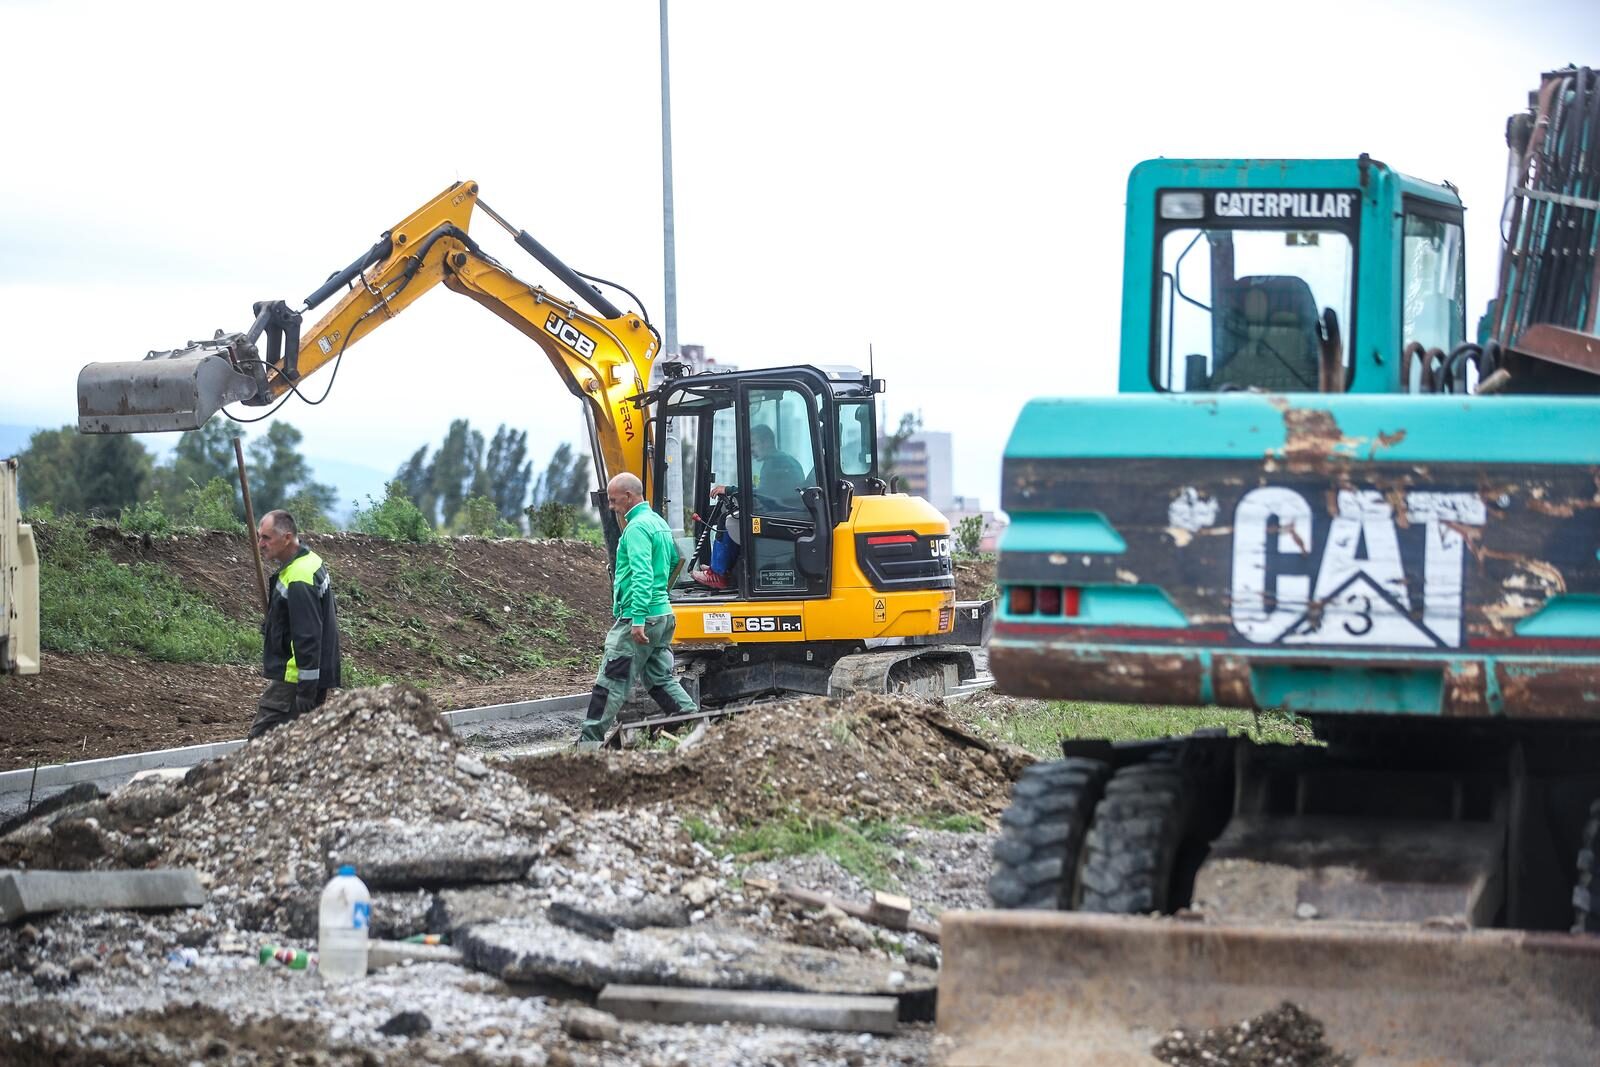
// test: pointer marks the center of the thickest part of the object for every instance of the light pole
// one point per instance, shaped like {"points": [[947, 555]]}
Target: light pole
{"points": [[668, 241]]}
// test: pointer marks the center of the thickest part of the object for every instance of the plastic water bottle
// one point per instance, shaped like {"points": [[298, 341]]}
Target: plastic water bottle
{"points": [[342, 928]]}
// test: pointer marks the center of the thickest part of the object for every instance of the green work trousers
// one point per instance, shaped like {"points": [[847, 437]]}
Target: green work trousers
{"points": [[624, 662]]}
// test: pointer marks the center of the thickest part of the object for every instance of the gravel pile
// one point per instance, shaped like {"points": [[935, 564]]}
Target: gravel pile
{"points": [[1286, 1036]]}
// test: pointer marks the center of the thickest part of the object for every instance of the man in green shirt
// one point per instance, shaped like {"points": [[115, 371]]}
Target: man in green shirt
{"points": [[640, 637]]}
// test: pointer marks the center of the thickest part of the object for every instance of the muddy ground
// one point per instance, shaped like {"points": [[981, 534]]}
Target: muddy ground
{"points": [[476, 621], [473, 621]]}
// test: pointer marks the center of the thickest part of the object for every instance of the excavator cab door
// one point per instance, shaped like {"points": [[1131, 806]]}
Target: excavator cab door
{"points": [[787, 508]]}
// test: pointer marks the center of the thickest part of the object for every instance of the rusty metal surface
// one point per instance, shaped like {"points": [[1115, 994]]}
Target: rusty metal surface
{"points": [[1557, 344], [1076, 661], [1067, 988], [1515, 538], [1056, 669]]}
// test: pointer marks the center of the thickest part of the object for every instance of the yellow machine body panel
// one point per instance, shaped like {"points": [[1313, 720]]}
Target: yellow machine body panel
{"points": [[855, 611]]}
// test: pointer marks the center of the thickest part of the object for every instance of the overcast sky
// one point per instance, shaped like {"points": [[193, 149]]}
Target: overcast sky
{"points": [[942, 181]]}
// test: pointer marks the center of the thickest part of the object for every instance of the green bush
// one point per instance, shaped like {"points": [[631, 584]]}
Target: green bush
{"points": [[91, 603], [210, 507], [396, 518], [308, 514], [969, 535], [146, 517], [481, 518], [553, 519]]}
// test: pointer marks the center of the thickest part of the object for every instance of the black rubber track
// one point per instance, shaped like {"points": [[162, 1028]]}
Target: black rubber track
{"points": [[1586, 892], [1133, 842], [1042, 833]]}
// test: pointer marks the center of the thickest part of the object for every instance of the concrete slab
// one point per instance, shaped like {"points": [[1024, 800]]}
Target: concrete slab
{"points": [[808, 1011], [37, 892], [530, 950]]}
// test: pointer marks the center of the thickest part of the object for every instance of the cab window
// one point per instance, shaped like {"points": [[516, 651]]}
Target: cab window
{"points": [[1433, 286], [1240, 308], [856, 439]]}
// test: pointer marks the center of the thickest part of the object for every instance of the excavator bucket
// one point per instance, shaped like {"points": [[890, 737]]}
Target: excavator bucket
{"points": [[1076, 988], [165, 391]]}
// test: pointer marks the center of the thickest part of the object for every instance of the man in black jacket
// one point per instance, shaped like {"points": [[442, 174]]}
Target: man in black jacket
{"points": [[300, 634]]}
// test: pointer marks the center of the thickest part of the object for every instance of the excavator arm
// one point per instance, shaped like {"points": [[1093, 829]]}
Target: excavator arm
{"points": [[602, 354]]}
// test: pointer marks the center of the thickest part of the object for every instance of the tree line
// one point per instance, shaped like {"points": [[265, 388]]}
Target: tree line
{"points": [[466, 485]]}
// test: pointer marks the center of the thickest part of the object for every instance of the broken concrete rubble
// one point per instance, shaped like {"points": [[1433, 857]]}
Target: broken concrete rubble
{"points": [[533, 951], [457, 909], [369, 778], [401, 854]]}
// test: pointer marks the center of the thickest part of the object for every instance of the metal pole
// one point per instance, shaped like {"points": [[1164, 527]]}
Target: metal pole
{"points": [[668, 238], [250, 517]]}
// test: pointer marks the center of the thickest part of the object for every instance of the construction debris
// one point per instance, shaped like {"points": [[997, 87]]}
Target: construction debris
{"points": [[887, 909], [538, 896], [533, 951], [384, 953], [1286, 1036], [862, 1015]]}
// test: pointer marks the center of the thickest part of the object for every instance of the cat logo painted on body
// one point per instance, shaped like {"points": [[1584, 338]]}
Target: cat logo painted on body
{"points": [[1371, 579]]}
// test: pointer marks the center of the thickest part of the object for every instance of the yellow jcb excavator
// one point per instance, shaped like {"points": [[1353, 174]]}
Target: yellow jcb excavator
{"points": [[840, 585]]}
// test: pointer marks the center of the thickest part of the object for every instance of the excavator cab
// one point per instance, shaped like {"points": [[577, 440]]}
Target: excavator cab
{"points": [[756, 470]]}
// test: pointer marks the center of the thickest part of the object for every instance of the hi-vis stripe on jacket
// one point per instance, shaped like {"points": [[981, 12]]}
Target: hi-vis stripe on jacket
{"points": [[300, 635]]}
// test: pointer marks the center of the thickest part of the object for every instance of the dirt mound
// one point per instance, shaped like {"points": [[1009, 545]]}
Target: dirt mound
{"points": [[190, 1032], [872, 757], [477, 621], [1286, 1036], [975, 579]]}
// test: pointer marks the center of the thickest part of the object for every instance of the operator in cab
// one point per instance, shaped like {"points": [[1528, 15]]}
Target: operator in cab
{"points": [[776, 483]]}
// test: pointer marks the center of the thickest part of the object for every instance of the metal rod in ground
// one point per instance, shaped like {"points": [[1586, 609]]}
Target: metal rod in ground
{"points": [[250, 517]]}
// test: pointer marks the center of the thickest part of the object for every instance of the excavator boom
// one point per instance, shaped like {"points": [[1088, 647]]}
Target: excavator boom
{"points": [[603, 354]]}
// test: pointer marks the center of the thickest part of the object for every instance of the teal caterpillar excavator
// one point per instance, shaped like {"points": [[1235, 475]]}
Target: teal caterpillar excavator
{"points": [[1316, 494]]}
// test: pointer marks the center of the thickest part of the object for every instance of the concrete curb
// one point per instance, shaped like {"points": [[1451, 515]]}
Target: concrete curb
{"points": [[35, 892]]}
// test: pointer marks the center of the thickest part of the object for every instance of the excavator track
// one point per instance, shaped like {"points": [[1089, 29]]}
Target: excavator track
{"points": [[931, 672]]}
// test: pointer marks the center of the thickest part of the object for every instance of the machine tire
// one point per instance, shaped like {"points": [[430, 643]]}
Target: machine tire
{"points": [[1586, 891], [1132, 845], [1042, 833]]}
